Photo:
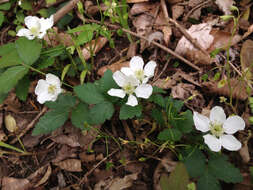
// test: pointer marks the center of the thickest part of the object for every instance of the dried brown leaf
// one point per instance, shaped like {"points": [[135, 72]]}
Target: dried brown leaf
{"points": [[177, 11], [61, 180], [136, 1], [246, 57], [65, 152], [43, 174], [87, 157], [70, 140], [139, 8], [182, 91], [244, 152], [72, 165], [10, 183], [165, 83], [167, 32], [122, 183], [225, 5], [238, 87], [113, 67], [56, 38]]}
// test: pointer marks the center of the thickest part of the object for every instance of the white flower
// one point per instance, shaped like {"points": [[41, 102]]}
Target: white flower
{"points": [[130, 85], [37, 27], [136, 69], [221, 129], [49, 89]]}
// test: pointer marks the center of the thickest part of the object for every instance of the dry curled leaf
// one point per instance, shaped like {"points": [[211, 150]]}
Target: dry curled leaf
{"points": [[244, 152], [70, 140], [11, 183], [246, 57], [72, 165], [113, 67], [238, 89], [225, 5], [40, 176]]}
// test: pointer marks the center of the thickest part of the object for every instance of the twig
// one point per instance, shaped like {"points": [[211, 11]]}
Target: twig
{"points": [[29, 126], [152, 42], [182, 29], [64, 10], [94, 167], [127, 130]]}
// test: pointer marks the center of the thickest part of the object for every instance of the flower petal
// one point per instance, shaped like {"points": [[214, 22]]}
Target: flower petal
{"points": [[136, 63], [52, 79], [42, 34], [229, 142], [149, 69], [233, 124], [43, 97], [132, 100], [212, 142], [144, 91], [42, 86], [25, 32], [127, 71], [217, 114], [201, 122], [47, 23], [117, 92], [119, 78], [32, 21]]}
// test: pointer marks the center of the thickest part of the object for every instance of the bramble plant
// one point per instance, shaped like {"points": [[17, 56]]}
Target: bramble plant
{"points": [[125, 93]]}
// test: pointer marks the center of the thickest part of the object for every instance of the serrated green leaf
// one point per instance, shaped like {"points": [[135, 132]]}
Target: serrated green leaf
{"points": [[84, 37], [10, 78], [79, 115], [7, 48], [107, 82], [63, 102], [45, 62], [101, 112], [185, 123], [224, 170], [10, 59], [170, 134], [158, 90], [1, 18], [22, 88], [50, 122], [28, 50], [158, 116], [89, 93], [208, 182], [53, 51], [195, 163], [158, 99], [129, 112], [26, 5], [5, 6], [178, 178]]}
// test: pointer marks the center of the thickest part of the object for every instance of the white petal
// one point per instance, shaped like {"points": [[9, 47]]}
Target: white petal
{"points": [[58, 90], [52, 79], [117, 92], [212, 142], [149, 68], [42, 86], [42, 34], [229, 142], [47, 23], [201, 122], [119, 78], [25, 32], [136, 63], [217, 114], [144, 91], [127, 71], [233, 124], [32, 21], [43, 97], [145, 80], [132, 100], [132, 80]]}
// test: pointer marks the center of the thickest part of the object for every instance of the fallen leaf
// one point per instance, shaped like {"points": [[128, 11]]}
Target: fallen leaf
{"points": [[182, 91], [40, 176], [177, 11], [122, 183], [136, 1], [11, 183], [244, 152], [246, 57], [139, 8], [70, 140], [225, 5], [61, 180], [165, 83], [58, 38], [87, 157], [113, 67], [65, 152], [72, 165]]}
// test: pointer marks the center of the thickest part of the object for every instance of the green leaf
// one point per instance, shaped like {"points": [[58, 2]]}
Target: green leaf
{"points": [[5, 6], [84, 37], [178, 178], [1, 18], [65, 70], [208, 182], [45, 63], [170, 134], [2, 97], [158, 99], [26, 5], [89, 93], [7, 48], [224, 170], [128, 112], [22, 88], [84, 28], [10, 59], [158, 90], [164, 181], [185, 123], [63, 102], [100, 112], [53, 51], [107, 82], [10, 78], [158, 116], [195, 163], [28, 50], [79, 115], [50, 121]]}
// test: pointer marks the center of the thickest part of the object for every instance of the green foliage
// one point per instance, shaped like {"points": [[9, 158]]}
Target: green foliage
{"points": [[6, 48], [28, 50], [195, 163], [22, 88], [178, 179], [10, 78], [5, 6], [107, 82], [158, 116], [1, 18], [170, 134], [10, 59], [129, 112], [63, 102], [80, 115], [223, 170], [208, 182]]}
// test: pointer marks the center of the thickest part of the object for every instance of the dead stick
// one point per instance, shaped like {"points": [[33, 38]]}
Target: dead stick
{"points": [[64, 10], [30, 125]]}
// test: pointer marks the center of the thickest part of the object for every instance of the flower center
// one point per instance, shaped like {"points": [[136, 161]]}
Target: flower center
{"points": [[216, 129], [139, 74], [35, 31], [129, 89], [51, 89]]}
